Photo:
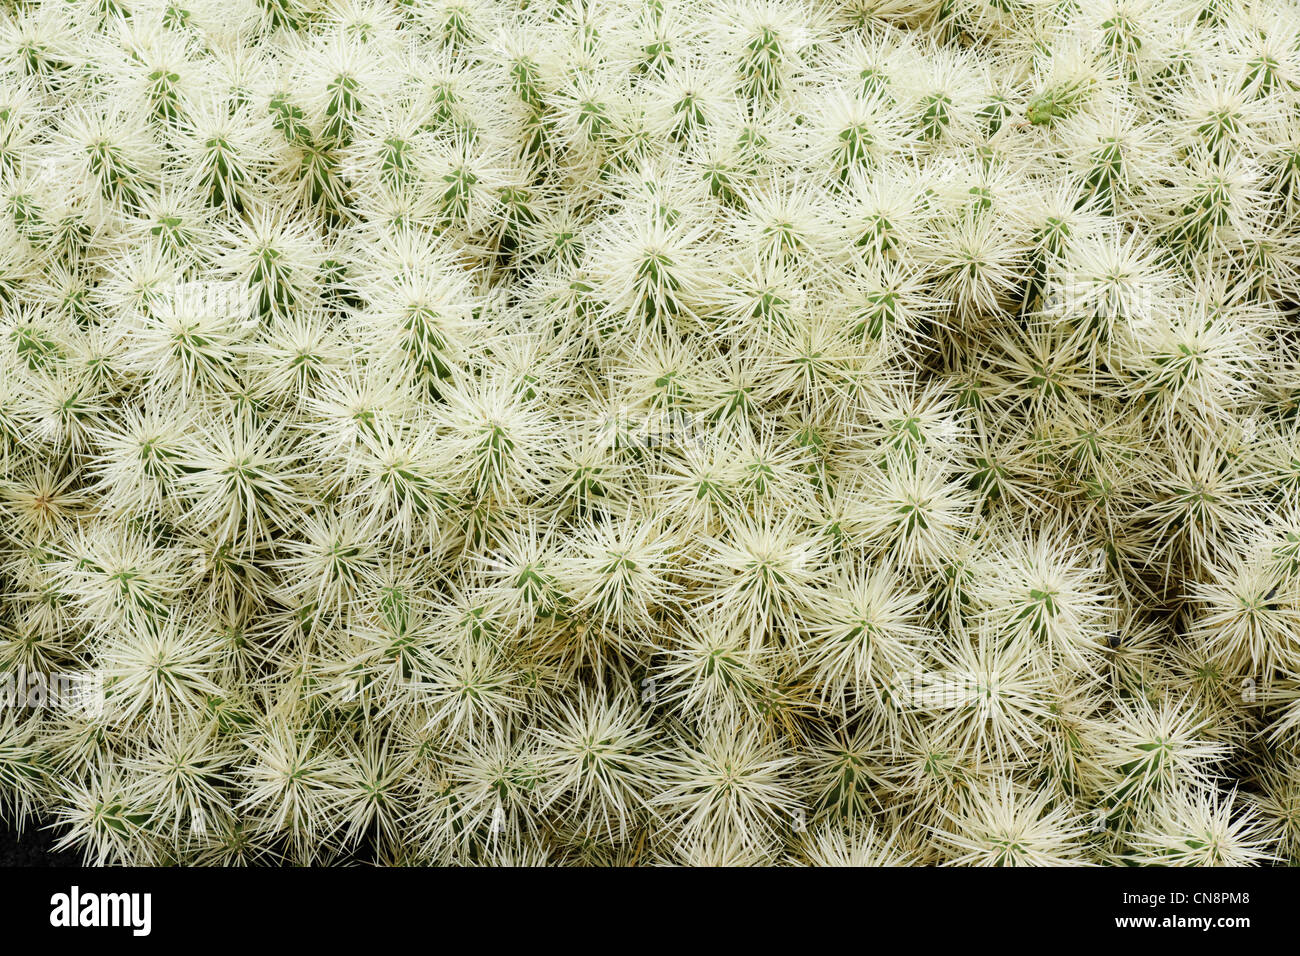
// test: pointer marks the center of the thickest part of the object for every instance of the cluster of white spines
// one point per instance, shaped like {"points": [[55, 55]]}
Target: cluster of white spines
{"points": [[653, 431]]}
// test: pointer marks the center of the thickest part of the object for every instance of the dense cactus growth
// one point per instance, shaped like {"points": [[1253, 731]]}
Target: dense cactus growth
{"points": [[651, 431]]}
